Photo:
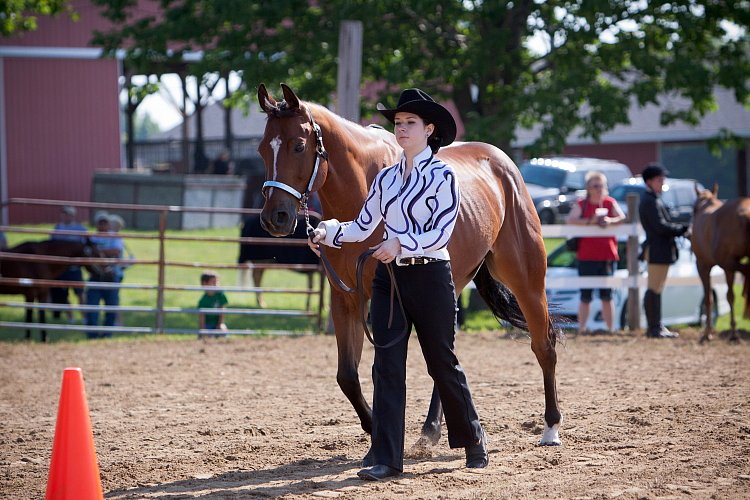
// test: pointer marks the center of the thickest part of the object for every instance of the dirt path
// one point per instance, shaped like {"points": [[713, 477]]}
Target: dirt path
{"points": [[258, 418]]}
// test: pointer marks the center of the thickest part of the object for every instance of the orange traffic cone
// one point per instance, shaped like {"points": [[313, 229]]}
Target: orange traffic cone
{"points": [[73, 472]]}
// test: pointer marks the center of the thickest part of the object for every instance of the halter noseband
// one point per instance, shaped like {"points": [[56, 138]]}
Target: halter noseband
{"points": [[320, 152]]}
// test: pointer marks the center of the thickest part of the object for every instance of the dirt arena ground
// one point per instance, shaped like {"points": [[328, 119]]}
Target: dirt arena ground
{"points": [[259, 418]]}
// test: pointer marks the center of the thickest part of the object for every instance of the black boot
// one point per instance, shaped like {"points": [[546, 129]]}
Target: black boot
{"points": [[477, 456], [648, 308], [652, 307]]}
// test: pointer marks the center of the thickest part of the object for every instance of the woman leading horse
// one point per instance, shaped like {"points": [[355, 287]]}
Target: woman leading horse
{"points": [[418, 198], [496, 240]]}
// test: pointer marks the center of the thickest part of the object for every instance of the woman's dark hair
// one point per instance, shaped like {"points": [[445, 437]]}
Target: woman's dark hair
{"points": [[434, 140]]}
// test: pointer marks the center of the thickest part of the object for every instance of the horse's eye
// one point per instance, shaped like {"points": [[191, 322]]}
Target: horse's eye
{"points": [[300, 147]]}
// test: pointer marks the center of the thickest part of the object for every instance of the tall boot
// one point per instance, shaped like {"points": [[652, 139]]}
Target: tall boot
{"points": [[652, 319], [663, 331]]}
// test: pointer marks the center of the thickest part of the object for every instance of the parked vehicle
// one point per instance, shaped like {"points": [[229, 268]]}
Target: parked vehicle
{"points": [[555, 183], [680, 304], [678, 195]]}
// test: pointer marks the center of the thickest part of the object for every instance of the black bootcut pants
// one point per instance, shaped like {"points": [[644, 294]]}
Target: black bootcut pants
{"points": [[429, 303]]}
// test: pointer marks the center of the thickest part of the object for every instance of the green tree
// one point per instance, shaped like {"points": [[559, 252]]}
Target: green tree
{"points": [[595, 57], [21, 15]]}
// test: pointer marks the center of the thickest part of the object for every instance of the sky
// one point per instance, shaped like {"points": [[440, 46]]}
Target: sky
{"points": [[159, 105]]}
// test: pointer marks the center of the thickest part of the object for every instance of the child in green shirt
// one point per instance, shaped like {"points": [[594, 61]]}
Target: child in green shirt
{"points": [[211, 299]]}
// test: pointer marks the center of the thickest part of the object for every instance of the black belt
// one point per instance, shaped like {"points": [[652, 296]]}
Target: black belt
{"points": [[410, 261]]}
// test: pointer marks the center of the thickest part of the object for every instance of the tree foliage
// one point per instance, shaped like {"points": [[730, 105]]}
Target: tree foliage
{"points": [[560, 65], [21, 15]]}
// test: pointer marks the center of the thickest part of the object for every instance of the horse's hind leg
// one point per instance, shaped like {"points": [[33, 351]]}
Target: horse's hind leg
{"points": [[42, 321], [704, 272], [431, 429], [525, 278]]}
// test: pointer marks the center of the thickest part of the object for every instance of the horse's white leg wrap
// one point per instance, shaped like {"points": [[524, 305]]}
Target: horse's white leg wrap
{"points": [[551, 435]]}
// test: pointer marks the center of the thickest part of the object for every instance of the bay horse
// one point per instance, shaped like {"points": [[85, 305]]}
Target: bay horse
{"points": [[497, 240], [721, 237], [20, 270]]}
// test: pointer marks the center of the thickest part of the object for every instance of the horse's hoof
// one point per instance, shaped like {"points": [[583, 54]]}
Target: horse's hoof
{"points": [[551, 436], [421, 449]]}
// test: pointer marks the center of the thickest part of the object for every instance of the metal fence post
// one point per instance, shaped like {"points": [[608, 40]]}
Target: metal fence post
{"points": [[634, 302], [162, 260]]}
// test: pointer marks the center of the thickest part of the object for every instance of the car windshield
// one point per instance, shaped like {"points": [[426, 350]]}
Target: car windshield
{"points": [[543, 176], [620, 193]]}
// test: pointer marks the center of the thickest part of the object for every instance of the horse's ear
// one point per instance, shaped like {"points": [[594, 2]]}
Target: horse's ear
{"points": [[290, 97], [715, 190], [266, 102]]}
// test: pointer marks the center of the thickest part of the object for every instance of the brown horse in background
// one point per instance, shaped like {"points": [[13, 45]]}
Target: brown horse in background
{"points": [[497, 239], [14, 272], [721, 237]]}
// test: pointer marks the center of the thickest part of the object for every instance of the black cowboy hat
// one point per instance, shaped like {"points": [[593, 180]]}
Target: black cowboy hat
{"points": [[418, 102]]}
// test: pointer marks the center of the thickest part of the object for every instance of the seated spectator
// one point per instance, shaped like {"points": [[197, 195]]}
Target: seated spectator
{"points": [[211, 299]]}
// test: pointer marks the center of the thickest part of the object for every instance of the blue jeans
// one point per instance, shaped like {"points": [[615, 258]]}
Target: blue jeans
{"points": [[94, 296]]}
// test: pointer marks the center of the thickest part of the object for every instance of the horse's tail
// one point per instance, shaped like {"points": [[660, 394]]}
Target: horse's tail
{"points": [[746, 294], [503, 303]]}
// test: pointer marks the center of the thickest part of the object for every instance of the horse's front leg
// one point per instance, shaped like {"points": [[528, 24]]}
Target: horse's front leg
{"points": [[349, 340], [42, 321], [704, 272]]}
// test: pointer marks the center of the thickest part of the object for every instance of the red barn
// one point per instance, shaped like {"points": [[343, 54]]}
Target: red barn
{"points": [[59, 113]]}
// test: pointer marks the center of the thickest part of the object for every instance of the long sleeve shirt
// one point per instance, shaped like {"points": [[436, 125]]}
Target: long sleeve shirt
{"points": [[420, 210]]}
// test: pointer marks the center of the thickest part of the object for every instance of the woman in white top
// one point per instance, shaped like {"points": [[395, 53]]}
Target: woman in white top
{"points": [[418, 199]]}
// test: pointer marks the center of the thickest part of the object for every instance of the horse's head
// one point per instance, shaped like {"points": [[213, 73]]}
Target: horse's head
{"points": [[295, 160], [705, 199]]}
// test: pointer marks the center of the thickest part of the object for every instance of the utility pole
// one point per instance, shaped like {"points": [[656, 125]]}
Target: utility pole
{"points": [[350, 70]]}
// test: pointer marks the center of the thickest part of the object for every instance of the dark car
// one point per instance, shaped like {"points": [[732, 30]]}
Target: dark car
{"points": [[678, 196], [555, 183]]}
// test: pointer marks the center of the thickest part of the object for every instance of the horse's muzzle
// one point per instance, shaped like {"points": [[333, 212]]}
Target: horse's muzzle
{"points": [[278, 223]]}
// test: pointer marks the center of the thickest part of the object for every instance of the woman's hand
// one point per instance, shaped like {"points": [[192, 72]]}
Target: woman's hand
{"points": [[313, 240], [387, 251]]}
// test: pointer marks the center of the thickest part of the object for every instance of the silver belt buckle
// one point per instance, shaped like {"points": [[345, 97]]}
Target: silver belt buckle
{"points": [[405, 261]]}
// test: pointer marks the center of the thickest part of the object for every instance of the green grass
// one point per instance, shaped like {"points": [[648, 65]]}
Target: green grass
{"points": [[204, 255]]}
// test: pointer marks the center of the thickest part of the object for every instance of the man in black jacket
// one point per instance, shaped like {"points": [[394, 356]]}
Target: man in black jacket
{"points": [[659, 249]]}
